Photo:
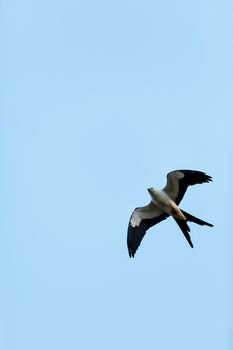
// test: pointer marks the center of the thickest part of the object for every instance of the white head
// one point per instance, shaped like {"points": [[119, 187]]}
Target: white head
{"points": [[150, 190], [153, 192]]}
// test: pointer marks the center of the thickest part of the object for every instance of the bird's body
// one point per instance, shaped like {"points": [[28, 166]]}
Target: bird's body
{"points": [[163, 204], [162, 200]]}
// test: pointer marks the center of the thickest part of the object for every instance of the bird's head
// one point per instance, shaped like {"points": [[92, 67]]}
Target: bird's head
{"points": [[153, 192], [150, 190]]}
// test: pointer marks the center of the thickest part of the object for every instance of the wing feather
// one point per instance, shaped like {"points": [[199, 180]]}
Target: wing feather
{"points": [[179, 180], [141, 220]]}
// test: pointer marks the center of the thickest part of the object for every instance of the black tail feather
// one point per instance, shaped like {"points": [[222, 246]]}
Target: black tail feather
{"points": [[185, 229], [184, 226], [192, 218]]}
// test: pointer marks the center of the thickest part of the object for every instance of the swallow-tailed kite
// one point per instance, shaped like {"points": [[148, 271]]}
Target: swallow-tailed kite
{"points": [[163, 204]]}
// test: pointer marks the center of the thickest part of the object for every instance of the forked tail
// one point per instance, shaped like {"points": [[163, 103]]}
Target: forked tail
{"points": [[192, 218], [185, 228]]}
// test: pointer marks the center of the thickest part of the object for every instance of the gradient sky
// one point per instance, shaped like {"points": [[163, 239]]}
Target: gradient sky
{"points": [[100, 99]]}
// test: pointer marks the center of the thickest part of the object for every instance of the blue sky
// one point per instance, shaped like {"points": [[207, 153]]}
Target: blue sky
{"points": [[99, 101]]}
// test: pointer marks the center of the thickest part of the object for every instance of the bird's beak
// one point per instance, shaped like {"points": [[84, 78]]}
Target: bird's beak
{"points": [[149, 190]]}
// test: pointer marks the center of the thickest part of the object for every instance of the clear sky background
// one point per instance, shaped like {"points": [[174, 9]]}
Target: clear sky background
{"points": [[100, 99]]}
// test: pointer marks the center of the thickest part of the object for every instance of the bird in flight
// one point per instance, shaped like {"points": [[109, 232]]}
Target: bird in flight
{"points": [[163, 204]]}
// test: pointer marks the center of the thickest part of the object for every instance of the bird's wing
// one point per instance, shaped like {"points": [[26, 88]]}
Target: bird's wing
{"points": [[179, 180], [140, 221]]}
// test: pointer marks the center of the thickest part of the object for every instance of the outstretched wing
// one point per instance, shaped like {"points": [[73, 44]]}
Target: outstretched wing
{"points": [[140, 221], [179, 180]]}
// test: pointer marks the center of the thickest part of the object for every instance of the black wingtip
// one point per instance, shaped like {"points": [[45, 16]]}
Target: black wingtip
{"points": [[131, 249], [131, 255], [208, 178], [202, 177]]}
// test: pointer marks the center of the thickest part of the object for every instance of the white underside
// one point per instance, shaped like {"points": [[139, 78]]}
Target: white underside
{"points": [[166, 203], [150, 211], [162, 201]]}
